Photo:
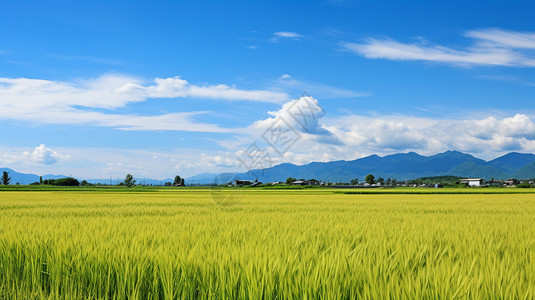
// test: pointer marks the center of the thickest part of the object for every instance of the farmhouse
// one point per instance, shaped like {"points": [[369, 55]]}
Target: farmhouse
{"points": [[307, 182], [473, 181], [495, 183], [312, 182], [512, 181]]}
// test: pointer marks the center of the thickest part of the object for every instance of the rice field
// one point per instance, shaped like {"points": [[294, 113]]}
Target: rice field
{"points": [[271, 244]]}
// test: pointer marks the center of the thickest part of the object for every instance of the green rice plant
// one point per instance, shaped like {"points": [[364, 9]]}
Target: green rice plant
{"points": [[273, 244]]}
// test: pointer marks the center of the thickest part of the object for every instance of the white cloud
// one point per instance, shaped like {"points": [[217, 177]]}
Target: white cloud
{"points": [[43, 155], [387, 134], [491, 47], [302, 114], [45, 101]]}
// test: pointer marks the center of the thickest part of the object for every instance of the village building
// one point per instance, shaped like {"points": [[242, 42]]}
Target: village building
{"points": [[473, 181]]}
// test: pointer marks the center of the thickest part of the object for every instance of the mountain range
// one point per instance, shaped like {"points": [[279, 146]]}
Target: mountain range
{"points": [[401, 166]]}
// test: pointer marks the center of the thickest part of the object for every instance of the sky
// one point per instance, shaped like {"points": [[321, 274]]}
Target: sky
{"points": [[98, 89]]}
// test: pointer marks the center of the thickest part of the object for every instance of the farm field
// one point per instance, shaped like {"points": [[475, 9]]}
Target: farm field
{"points": [[283, 244]]}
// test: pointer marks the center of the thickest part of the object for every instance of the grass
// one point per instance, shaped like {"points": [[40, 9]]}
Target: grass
{"points": [[273, 244]]}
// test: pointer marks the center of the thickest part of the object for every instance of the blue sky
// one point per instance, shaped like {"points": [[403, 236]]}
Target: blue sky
{"points": [[101, 88]]}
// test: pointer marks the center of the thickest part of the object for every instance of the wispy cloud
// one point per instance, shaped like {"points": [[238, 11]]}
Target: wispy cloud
{"points": [[286, 35], [54, 102], [498, 37], [492, 47]]}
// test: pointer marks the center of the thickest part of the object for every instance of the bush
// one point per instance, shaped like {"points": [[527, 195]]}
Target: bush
{"points": [[69, 181], [524, 185], [49, 181]]}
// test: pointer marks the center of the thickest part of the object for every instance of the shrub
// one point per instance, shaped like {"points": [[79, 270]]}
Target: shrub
{"points": [[69, 181]]}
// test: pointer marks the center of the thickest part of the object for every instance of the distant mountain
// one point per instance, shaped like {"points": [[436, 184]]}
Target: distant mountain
{"points": [[23, 178], [401, 166], [513, 162]]}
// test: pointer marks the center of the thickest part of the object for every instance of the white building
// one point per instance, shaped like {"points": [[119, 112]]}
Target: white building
{"points": [[473, 181]]}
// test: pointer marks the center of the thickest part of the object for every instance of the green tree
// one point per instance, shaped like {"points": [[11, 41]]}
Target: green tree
{"points": [[85, 183], [40, 179], [178, 180], [370, 179], [129, 180], [69, 181], [5, 178], [381, 180], [290, 180], [182, 182], [354, 181]]}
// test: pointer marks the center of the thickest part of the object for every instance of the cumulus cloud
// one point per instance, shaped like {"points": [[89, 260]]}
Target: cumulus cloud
{"points": [[490, 47], [388, 134], [302, 114], [43, 155], [46, 101]]}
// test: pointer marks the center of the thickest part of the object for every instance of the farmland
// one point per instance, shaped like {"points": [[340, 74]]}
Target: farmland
{"points": [[285, 244]]}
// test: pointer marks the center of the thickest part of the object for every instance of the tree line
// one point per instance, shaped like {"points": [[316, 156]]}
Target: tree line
{"points": [[128, 181]]}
